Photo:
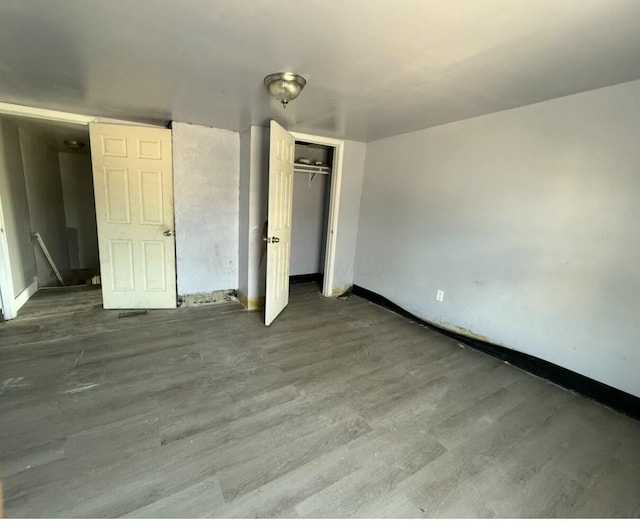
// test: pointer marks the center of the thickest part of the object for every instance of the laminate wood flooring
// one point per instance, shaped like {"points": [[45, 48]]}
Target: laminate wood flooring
{"points": [[339, 409]]}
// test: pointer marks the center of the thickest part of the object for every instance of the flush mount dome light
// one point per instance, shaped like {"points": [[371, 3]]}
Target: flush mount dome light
{"points": [[285, 86], [74, 144]]}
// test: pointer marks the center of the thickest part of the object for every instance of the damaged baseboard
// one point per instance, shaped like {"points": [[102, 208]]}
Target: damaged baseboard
{"points": [[214, 297], [607, 395], [250, 303]]}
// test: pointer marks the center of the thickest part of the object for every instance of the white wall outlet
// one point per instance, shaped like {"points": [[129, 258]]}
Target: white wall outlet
{"points": [[439, 295]]}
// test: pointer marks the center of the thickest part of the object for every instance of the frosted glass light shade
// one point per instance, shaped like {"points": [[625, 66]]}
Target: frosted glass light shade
{"points": [[285, 86]]}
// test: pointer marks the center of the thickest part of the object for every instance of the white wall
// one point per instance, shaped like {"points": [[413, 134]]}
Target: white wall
{"points": [[46, 206], [79, 210], [206, 195], [527, 219], [15, 207]]}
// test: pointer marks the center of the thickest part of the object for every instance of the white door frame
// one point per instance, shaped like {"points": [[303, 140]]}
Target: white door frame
{"points": [[334, 204], [10, 109], [6, 278]]}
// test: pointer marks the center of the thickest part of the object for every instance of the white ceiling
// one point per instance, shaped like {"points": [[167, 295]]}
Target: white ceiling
{"points": [[374, 68]]}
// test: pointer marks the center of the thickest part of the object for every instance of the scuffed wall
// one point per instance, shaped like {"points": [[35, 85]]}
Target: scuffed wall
{"points": [[206, 196], [527, 219]]}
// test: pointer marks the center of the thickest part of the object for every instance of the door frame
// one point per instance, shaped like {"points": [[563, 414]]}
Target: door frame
{"points": [[23, 111], [6, 278], [334, 204]]}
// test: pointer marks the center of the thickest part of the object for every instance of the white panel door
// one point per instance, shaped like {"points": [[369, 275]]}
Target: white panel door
{"points": [[133, 184], [281, 153]]}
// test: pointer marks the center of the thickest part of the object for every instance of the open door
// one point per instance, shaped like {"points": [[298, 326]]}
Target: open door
{"points": [[133, 183], [281, 154]]}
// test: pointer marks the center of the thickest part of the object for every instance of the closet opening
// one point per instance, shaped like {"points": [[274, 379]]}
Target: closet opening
{"points": [[312, 181]]}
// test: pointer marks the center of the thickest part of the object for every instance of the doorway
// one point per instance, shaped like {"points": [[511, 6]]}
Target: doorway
{"points": [[59, 184], [135, 184], [310, 212], [282, 166], [331, 151], [48, 223]]}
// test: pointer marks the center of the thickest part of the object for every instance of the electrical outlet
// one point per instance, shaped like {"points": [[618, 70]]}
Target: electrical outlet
{"points": [[439, 295]]}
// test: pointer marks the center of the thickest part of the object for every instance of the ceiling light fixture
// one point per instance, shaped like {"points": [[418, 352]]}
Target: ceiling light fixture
{"points": [[285, 86], [74, 144]]}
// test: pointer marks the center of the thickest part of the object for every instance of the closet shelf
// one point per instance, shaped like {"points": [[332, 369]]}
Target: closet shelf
{"points": [[308, 168]]}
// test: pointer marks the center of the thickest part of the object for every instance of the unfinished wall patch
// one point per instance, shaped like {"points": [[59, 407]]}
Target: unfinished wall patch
{"points": [[214, 297]]}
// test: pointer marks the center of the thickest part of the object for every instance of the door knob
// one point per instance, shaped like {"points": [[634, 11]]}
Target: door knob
{"points": [[168, 233]]}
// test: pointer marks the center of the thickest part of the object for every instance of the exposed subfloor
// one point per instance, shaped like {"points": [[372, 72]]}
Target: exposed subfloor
{"points": [[339, 409]]}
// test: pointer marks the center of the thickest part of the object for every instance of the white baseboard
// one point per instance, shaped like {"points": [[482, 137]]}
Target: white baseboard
{"points": [[22, 298]]}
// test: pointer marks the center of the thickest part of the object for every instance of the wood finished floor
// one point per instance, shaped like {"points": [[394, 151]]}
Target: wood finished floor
{"points": [[339, 409]]}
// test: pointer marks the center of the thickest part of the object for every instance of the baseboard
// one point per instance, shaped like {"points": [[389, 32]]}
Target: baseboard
{"points": [[27, 293], [214, 297], [607, 395], [250, 303], [316, 277]]}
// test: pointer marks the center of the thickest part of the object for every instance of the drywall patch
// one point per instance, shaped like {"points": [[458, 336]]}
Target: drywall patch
{"points": [[214, 297]]}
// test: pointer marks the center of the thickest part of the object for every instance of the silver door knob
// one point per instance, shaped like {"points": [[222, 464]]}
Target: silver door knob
{"points": [[168, 233]]}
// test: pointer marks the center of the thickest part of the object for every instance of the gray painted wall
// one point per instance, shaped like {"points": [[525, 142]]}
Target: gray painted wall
{"points": [[206, 195], [79, 210], [15, 209], [310, 214], [309, 223], [243, 226], [46, 205], [527, 219], [258, 202], [353, 166]]}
